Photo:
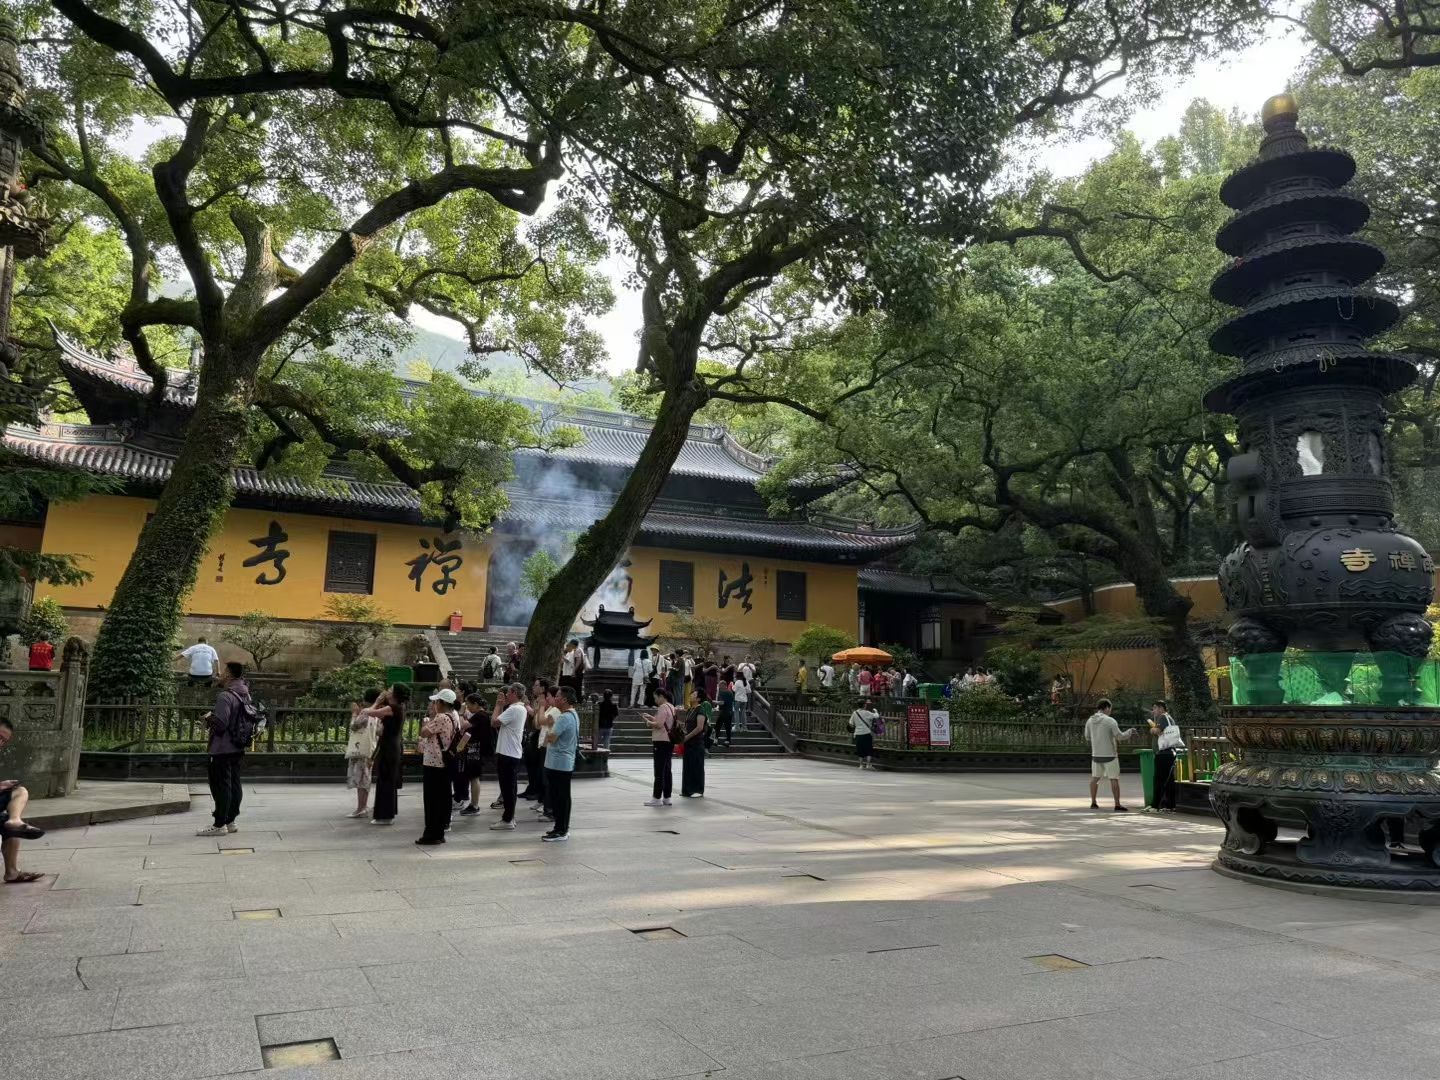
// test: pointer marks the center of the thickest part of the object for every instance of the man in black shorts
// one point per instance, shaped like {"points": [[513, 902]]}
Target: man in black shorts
{"points": [[13, 828]]}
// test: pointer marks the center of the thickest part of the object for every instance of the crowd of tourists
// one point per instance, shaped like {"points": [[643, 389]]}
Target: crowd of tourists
{"points": [[464, 733], [502, 727]]}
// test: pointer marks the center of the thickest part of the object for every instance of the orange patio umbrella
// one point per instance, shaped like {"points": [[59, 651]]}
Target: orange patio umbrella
{"points": [[862, 655]]}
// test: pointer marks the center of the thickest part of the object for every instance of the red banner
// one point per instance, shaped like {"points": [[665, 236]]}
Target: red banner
{"points": [[918, 719]]}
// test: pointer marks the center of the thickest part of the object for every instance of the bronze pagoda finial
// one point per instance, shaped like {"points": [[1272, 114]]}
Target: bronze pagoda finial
{"points": [[1281, 108]]}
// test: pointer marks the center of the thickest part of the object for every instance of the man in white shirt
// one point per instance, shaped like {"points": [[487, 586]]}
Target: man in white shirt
{"points": [[203, 661], [509, 723], [827, 675], [741, 689], [1103, 733]]}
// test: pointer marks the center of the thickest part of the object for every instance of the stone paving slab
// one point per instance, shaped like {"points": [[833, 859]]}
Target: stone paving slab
{"points": [[825, 923], [98, 801]]}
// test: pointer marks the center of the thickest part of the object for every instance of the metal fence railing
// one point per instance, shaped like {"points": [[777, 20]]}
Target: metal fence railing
{"points": [[141, 725], [974, 726]]}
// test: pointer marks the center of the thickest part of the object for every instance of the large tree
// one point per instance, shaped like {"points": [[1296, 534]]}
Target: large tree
{"points": [[759, 162], [289, 181], [838, 158], [1060, 395]]}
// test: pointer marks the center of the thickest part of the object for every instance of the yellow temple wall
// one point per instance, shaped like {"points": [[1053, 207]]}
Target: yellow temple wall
{"points": [[103, 530], [831, 593]]}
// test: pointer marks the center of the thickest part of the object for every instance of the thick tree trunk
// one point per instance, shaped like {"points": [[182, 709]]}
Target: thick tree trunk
{"points": [[137, 640], [1190, 697], [601, 547]]}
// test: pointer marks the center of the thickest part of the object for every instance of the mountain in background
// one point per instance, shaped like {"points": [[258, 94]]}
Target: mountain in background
{"points": [[445, 353]]}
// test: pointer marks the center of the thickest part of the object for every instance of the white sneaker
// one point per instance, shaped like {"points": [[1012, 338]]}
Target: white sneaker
{"points": [[653, 802], [503, 826], [213, 830], [357, 813], [664, 802], [377, 821], [232, 827]]}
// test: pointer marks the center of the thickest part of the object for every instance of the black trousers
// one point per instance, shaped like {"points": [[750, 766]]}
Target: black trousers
{"points": [[534, 770], [459, 782], [726, 723], [225, 786], [507, 772], [436, 791], [664, 755], [1165, 788], [692, 768], [557, 783]]}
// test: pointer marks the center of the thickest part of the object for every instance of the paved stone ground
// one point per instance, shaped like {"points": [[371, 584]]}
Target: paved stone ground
{"points": [[838, 925]]}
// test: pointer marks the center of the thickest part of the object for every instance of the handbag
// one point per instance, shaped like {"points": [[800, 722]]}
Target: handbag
{"points": [[447, 747]]}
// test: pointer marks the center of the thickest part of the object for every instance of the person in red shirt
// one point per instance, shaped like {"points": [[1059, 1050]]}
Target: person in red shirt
{"points": [[42, 654]]}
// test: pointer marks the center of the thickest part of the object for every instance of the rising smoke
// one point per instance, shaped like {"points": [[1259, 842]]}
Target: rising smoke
{"points": [[552, 506]]}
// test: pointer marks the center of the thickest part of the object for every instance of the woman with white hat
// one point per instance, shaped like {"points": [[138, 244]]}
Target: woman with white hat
{"points": [[436, 735]]}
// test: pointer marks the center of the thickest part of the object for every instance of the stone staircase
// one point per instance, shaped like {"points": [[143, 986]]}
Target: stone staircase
{"points": [[466, 649], [632, 737]]}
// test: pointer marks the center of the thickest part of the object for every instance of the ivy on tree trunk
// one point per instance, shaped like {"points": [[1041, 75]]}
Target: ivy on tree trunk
{"points": [[136, 643]]}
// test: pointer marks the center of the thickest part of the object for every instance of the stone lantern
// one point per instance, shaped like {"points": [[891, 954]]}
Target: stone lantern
{"points": [[1324, 584]]}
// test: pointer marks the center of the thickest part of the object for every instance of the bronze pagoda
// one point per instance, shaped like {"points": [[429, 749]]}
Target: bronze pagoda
{"points": [[1327, 792]]}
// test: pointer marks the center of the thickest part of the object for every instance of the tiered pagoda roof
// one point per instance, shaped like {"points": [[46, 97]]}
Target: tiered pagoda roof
{"points": [[110, 389], [1298, 270]]}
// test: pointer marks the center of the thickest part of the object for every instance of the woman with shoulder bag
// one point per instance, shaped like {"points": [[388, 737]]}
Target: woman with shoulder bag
{"points": [[663, 726], [359, 750], [697, 724], [479, 746], [436, 735]]}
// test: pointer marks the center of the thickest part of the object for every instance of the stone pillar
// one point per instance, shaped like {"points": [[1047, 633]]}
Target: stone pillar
{"points": [[47, 710]]}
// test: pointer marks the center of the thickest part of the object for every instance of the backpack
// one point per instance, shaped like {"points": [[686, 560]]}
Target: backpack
{"points": [[246, 720], [677, 729]]}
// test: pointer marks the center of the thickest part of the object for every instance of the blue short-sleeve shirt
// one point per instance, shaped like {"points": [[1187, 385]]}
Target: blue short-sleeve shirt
{"points": [[560, 755]]}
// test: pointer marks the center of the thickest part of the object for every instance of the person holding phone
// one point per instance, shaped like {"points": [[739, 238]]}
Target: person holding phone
{"points": [[389, 712], [364, 731]]}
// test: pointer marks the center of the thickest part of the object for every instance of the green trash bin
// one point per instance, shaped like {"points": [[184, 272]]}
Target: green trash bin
{"points": [[931, 691], [399, 673], [1147, 776]]}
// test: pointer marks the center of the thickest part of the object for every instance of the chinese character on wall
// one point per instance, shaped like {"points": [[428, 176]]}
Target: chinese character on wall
{"points": [[737, 588], [270, 552], [443, 556]]}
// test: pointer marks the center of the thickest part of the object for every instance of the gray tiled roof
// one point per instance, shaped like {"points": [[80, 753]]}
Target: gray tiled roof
{"points": [[123, 373], [883, 580], [610, 438], [104, 449]]}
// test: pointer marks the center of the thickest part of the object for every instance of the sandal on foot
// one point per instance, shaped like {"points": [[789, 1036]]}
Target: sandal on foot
{"points": [[22, 831], [24, 878]]}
